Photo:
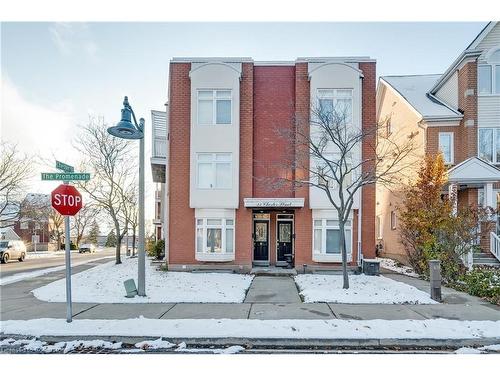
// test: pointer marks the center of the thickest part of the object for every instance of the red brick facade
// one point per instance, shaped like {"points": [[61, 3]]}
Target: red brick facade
{"points": [[271, 97], [369, 121]]}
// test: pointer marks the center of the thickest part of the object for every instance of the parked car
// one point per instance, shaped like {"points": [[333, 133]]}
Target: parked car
{"points": [[12, 249], [86, 248]]}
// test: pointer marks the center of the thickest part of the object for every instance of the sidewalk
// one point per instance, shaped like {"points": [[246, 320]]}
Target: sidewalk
{"points": [[281, 301]]}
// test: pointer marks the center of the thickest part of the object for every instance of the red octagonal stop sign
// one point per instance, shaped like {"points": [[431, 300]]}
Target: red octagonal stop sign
{"points": [[66, 200]]}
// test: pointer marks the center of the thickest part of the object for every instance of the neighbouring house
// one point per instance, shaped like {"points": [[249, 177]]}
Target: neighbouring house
{"points": [[220, 143], [8, 234], [33, 225], [158, 168], [457, 113]]}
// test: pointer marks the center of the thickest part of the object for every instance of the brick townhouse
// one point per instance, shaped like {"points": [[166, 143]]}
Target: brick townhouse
{"points": [[221, 144], [457, 113]]}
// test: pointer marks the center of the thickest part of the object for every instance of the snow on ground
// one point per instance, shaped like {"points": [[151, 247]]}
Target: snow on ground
{"points": [[32, 274], [483, 349], [254, 328], [104, 284], [35, 345], [44, 254], [392, 265], [362, 289]]}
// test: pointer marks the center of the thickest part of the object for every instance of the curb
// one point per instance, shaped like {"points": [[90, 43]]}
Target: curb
{"points": [[264, 343]]}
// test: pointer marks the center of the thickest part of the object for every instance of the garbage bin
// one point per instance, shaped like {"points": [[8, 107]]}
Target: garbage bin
{"points": [[371, 267]]}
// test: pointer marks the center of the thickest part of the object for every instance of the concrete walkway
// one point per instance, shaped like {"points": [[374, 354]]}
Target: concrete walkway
{"points": [[273, 289]]}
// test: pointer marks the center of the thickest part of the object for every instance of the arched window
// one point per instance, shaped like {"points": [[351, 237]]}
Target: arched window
{"points": [[489, 74]]}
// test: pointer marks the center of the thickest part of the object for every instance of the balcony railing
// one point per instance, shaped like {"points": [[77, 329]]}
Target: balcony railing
{"points": [[159, 134], [495, 245]]}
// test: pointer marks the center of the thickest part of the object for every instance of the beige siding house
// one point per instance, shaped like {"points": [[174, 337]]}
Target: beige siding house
{"points": [[456, 113]]}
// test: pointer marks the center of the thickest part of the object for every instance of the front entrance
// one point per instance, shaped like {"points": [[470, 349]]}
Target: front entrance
{"points": [[284, 240], [261, 242], [273, 238]]}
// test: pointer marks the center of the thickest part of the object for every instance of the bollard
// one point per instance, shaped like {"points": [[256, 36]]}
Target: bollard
{"points": [[435, 279]]}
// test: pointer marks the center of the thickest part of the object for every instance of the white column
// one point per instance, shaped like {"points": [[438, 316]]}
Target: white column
{"points": [[488, 195], [453, 197]]}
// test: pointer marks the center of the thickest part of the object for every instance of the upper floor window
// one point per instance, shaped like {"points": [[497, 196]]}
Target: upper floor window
{"points": [[214, 170], [214, 107], [446, 146], [488, 80], [489, 144], [335, 106]]}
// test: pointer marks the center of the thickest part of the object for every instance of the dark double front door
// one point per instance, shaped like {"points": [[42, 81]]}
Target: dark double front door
{"points": [[284, 240], [284, 230]]}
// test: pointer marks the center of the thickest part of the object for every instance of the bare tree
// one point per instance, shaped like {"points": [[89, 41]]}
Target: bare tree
{"points": [[338, 157], [15, 170], [110, 162], [82, 220], [132, 210]]}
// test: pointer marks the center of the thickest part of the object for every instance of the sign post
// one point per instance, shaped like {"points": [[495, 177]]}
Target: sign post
{"points": [[67, 201]]}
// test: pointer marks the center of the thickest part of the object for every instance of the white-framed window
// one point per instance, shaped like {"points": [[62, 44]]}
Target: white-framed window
{"points": [[23, 225], [488, 75], [214, 170], [489, 144], [446, 146], [326, 237], [214, 236], [324, 174], [214, 107], [335, 105], [393, 220]]}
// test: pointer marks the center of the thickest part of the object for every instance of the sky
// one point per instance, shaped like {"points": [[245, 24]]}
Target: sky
{"points": [[55, 75]]}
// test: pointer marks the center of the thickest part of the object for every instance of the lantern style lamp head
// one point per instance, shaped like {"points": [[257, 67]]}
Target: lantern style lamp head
{"points": [[125, 128]]}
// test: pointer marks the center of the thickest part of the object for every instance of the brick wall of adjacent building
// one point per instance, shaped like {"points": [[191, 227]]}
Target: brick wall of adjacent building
{"points": [[369, 121], [467, 102], [303, 216], [181, 216], [274, 106], [243, 230]]}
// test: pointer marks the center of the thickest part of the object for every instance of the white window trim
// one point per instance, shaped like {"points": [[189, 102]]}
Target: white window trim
{"points": [[323, 257], [204, 255], [492, 66], [494, 159], [214, 163], [214, 106], [452, 146], [393, 220], [335, 97]]}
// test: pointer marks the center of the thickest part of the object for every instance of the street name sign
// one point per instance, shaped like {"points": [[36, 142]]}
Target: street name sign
{"points": [[64, 167], [65, 176], [66, 200]]}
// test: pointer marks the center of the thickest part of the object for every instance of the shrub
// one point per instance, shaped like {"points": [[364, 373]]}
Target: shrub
{"points": [[160, 249], [482, 281]]}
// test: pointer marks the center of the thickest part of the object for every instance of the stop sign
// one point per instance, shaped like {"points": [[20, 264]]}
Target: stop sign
{"points": [[66, 200]]}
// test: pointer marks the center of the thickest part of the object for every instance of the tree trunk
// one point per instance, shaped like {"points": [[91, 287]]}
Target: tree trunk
{"points": [[133, 242], [343, 251], [118, 244]]}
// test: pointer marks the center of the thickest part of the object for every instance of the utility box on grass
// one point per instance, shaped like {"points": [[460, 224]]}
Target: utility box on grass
{"points": [[371, 267]]}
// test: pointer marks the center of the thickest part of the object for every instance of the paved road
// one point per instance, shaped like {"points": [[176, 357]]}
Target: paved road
{"points": [[34, 264]]}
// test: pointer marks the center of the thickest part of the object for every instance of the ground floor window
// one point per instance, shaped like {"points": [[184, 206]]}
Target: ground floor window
{"points": [[215, 236], [327, 234]]}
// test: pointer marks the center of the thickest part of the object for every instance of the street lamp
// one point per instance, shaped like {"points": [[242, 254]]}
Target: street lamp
{"points": [[127, 130]]}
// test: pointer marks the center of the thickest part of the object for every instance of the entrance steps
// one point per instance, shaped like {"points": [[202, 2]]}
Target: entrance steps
{"points": [[485, 259], [273, 271]]}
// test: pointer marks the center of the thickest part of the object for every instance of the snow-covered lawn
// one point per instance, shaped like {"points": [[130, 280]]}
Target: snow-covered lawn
{"points": [[392, 265], [104, 284], [362, 289], [32, 274], [255, 328]]}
